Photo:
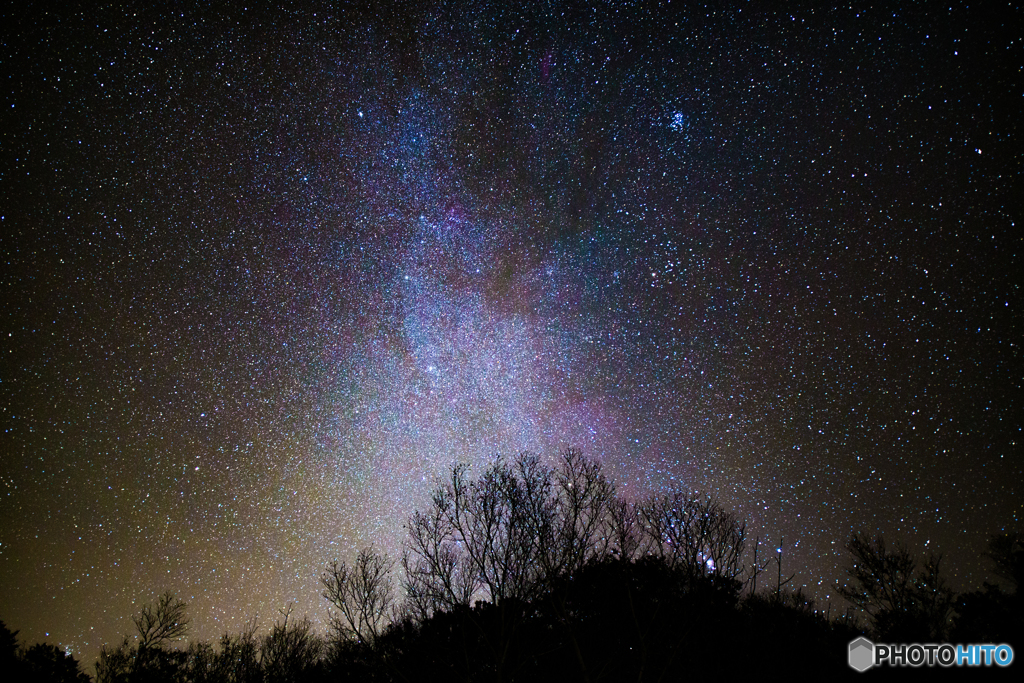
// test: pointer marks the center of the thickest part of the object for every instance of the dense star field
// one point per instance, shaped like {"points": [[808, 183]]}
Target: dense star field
{"points": [[269, 274]]}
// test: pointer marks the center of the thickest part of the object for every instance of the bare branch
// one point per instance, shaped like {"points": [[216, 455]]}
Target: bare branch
{"points": [[363, 595], [698, 536], [163, 623]]}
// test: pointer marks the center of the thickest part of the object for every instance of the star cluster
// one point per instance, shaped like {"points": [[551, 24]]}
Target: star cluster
{"points": [[268, 275]]}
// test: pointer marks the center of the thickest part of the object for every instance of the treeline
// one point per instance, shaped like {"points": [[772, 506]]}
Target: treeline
{"points": [[533, 573]]}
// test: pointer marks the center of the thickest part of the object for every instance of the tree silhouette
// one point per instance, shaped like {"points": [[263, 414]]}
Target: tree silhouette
{"points": [[696, 535], [291, 652], [8, 646], [1007, 554], [363, 595], [479, 538], [505, 539], [438, 575], [992, 614], [901, 603], [148, 659], [115, 663], [579, 528], [238, 660], [507, 534], [47, 663], [570, 582], [160, 624]]}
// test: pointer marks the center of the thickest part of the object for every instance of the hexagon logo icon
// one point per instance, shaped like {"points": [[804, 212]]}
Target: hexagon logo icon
{"points": [[861, 654]]}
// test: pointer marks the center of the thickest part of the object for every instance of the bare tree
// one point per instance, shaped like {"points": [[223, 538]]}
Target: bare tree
{"points": [[628, 542], [503, 530], [115, 662], [582, 516], [363, 595], [239, 661], [757, 567], [898, 601], [509, 533], [160, 624], [291, 651], [438, 575], [480, 538], [157, 626], [882, 578], [695, 535]]}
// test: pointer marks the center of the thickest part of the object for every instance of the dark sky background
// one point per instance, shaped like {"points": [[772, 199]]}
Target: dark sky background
{"points": [[268, 274]]}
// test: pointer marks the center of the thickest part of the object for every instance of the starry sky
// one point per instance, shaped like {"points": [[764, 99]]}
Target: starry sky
{"points": [[269, 273]]}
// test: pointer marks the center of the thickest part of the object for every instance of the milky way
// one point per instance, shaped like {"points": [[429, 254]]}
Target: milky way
{"points": [[268, 275]]}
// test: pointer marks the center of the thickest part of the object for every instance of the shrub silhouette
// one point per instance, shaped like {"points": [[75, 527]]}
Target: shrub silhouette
{"points": [[993, 614], [47, 663], [291, 652]]}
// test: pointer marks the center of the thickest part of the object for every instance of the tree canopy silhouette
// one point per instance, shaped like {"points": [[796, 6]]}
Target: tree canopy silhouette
{"points": [[538, 572], [902, 603]]}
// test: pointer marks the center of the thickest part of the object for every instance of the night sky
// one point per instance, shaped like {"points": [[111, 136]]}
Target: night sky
{"points": [[268, 274]]}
